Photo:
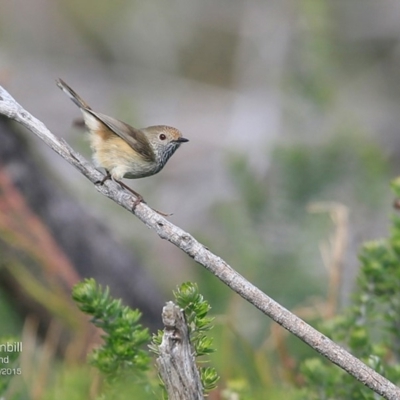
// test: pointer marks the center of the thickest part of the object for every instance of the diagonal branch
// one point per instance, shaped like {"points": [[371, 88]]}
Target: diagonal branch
{"points": [[186, 242]]}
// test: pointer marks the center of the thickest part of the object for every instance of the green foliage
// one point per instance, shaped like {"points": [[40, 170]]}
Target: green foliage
{"points": [[209, 378], [122, 358], [369, 328], [124, 338], [187, 297]]}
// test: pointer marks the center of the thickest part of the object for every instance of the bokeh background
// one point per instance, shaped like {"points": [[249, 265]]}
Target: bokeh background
{"points": [[291, 108]]}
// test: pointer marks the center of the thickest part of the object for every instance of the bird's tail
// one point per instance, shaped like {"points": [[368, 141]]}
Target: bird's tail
{"points": [[72, 95]]}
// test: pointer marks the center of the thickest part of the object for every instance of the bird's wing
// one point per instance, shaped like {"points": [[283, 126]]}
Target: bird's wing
{"points": [[134, 137]]}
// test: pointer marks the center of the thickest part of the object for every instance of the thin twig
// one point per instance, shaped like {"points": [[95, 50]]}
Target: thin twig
{"points": [[186, 242]]}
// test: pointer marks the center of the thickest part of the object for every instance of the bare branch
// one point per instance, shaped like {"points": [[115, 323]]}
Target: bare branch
{"points": [[166, 230]]}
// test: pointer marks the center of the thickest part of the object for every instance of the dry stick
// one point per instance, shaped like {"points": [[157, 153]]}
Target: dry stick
{"points": [[166, 230], [176, 362]]}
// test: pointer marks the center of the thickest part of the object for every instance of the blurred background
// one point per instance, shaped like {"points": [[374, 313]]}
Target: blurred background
{"points": [[291, 109]]}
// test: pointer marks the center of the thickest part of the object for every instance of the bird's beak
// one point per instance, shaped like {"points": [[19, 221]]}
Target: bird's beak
{"points": [[181, 140]]}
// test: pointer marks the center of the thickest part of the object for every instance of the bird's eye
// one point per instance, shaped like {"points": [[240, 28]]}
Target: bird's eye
{"points": [[162, 137]]}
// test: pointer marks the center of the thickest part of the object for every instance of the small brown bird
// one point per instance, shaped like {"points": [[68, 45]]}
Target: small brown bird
{"points": [[122, 150]]}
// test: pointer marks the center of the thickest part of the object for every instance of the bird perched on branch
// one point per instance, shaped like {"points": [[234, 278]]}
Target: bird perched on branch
{"points": [[122, 150]]}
